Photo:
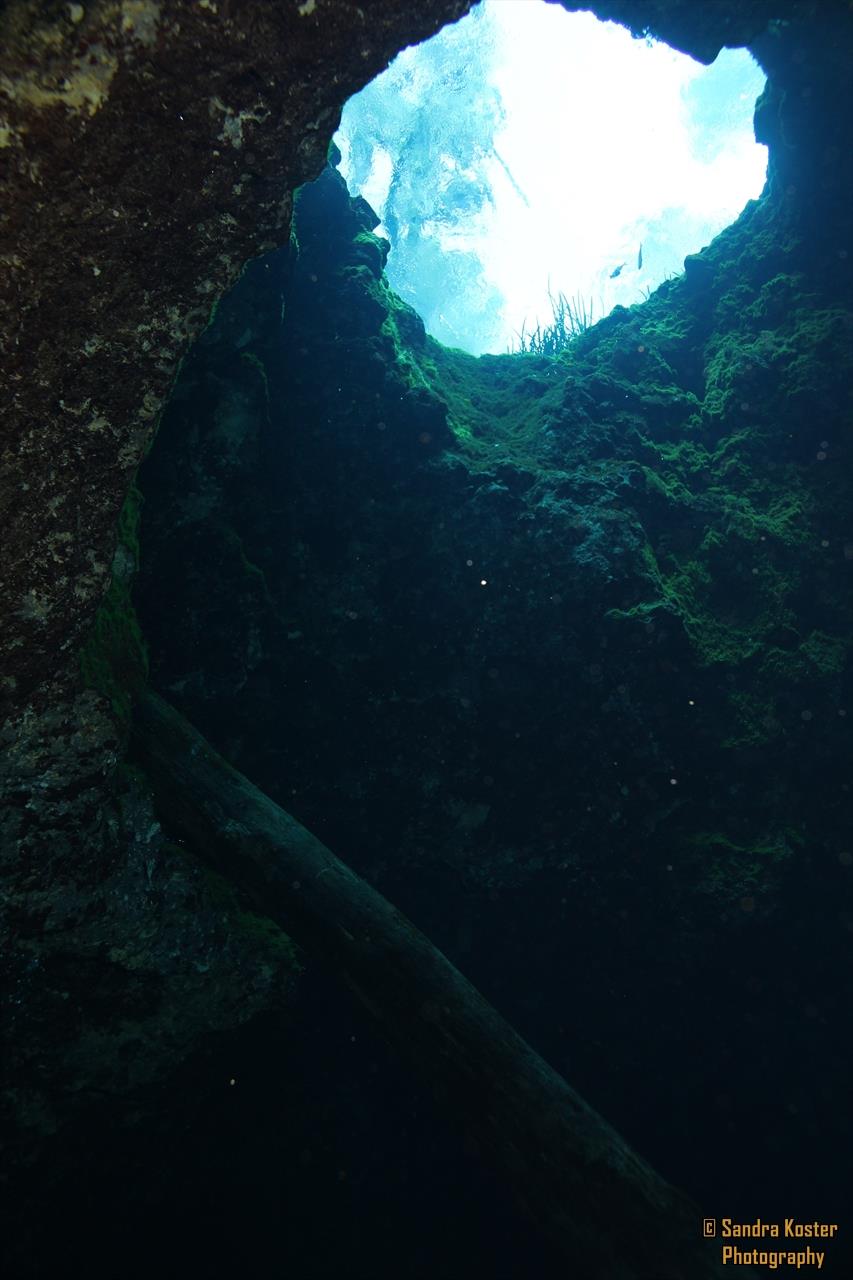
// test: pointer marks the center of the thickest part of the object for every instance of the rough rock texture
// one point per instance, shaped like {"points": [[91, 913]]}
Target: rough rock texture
{"points": [[557, 652], [348, 525], [703, 30], [146, 152]]}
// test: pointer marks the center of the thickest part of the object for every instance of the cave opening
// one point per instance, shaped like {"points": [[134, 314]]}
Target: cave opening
{"points": [[527, 153]]}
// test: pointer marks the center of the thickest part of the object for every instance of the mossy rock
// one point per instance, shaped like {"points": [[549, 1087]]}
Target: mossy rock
{"points": [[114, 657]]}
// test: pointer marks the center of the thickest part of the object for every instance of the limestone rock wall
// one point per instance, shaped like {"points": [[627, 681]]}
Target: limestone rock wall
{"points": [[147, 150]]}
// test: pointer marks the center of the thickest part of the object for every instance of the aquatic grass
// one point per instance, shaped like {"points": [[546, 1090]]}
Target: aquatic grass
{"points": [[570, 317]]}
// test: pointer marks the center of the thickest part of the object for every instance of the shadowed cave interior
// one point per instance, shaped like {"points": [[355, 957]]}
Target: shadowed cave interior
{"points": [[554, 652]]}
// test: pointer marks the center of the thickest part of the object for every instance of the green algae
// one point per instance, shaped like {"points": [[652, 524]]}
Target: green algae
{"points": [[753, 721], [498, 406], [640, 503], [114, 656], [258, 931], [818, 655], [732, 871], [255, 362]]}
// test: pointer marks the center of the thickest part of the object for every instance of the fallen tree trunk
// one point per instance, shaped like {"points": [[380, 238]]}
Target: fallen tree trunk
{"points": [[608, 1212]]}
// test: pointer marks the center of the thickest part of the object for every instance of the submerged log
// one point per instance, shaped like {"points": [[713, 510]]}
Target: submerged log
{"points": [[604, 1208]]}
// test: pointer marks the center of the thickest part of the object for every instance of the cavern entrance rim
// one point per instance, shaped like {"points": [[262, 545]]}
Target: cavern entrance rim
{"points": [[526, 151]]}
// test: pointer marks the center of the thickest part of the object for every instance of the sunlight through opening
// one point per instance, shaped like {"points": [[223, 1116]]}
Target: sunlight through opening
{"points": [[526, 151]]}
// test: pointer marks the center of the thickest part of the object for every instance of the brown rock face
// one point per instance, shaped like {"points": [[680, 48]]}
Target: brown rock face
{"points": [[148, 151]]}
